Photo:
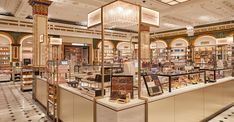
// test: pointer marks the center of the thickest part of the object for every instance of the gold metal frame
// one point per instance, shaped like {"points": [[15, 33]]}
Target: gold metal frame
{"points": [[139, 54]]}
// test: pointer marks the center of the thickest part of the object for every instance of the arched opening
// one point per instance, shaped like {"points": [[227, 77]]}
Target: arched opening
{"points": [[204, 51], [26, 48], [5, 57], [160, 44], [179, 43], [180, 52], [5, 50], [205, 41], [158, 51], [125, 51]]}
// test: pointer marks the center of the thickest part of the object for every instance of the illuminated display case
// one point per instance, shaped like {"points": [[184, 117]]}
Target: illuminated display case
{"points": [[175, 80]]}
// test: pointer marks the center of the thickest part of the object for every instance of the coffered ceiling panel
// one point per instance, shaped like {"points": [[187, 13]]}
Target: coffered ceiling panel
{"points": [[185, 13]]}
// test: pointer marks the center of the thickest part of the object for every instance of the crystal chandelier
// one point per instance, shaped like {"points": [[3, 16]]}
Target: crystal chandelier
{"points": [[120, 15]]}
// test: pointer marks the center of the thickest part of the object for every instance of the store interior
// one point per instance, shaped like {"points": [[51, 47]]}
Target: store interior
{"points": [[118, 60]]}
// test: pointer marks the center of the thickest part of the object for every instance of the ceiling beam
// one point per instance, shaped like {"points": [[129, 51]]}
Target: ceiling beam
{"points": [[20, 12]]}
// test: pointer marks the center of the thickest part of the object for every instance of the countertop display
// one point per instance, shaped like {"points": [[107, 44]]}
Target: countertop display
{"points": [[75, 91], [136, 101], [188, 89]]}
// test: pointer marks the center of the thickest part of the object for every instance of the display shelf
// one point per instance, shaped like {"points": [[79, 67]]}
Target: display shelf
{"points": [[125, 55], [16, 75], [204, 57], [27, 78], [4, 55], [57, 72], [5, 73], [108, 56], [109, 52]]}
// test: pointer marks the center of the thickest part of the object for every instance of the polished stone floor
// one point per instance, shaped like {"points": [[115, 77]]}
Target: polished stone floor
{"points": [[17, 106], [226, 116]]}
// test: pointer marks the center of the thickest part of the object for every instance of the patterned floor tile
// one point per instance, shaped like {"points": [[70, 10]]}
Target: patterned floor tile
{"points": [[17, 106]]}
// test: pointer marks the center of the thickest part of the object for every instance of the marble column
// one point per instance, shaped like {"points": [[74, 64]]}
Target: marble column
{"points": [[40, 31]]}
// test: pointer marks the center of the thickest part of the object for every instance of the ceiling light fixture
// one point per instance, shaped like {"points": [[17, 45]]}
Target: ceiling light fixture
{"points": [[173, 2], [171, 25], [205, 18], [120, 14], [2, 10]]}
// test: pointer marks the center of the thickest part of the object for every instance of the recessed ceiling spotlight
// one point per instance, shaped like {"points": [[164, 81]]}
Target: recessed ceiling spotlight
{"points": [[205, 18], [2, 10], [171, 25]]}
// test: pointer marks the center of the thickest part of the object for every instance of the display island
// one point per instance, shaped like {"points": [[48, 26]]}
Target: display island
{"points": [[196, 102]]}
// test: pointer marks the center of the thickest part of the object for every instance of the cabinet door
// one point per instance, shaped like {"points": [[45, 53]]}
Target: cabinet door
{"points": [[83, 109], [161, 110], [66, 106]]}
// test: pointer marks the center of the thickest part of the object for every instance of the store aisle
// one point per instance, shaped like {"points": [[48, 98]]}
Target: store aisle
{"points": [[226, 116], [17, 106]]}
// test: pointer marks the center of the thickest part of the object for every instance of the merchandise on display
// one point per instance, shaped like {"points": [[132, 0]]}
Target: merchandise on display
{"points": [[118, 61]]}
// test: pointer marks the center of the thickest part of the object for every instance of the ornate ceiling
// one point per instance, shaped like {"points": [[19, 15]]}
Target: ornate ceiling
{"points": [[180, 15]]}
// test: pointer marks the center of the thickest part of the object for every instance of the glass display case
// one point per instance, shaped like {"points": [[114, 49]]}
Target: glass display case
{"points": [[215, 60], [175, 80], [212, 75]]}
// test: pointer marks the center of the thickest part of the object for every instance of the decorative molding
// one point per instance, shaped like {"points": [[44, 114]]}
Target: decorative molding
{"points": [[25, 25], [40, 7], [198, 30]]}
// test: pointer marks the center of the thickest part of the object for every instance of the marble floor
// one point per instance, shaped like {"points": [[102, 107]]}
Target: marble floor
{"points": [[17, 106], [226, 116]]}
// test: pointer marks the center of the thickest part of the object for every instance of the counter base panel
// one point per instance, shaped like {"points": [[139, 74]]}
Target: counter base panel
{"points": [[135, 114], [41, 92], [192, 106], [74, 108]]}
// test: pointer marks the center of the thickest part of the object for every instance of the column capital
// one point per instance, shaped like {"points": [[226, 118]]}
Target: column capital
{"points": [[145, 28], [40, 7]]}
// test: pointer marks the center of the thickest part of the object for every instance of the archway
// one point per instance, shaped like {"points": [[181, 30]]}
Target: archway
{"points": [[205, 41], [26, 48], [125, 51], [158, 44], [179, 42], [204, 50], [5, 50]]}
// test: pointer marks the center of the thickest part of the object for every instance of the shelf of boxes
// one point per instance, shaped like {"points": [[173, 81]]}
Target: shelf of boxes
{"points": [[27, 78]]}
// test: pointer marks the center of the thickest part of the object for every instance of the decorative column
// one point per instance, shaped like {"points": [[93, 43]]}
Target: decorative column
{"points": [[145, 47], [40, 31], [15, 52]]}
